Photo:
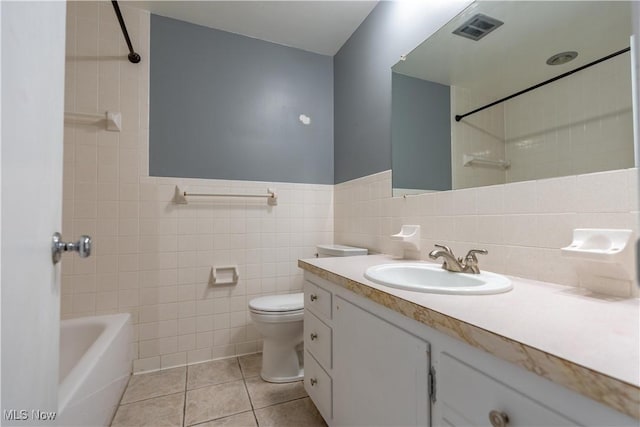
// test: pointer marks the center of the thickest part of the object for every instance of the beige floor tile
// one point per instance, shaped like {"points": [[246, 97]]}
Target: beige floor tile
{"points": [[217, 401], [245, 419], [164, 411], [264, 394], [211, 373], [300, 412], [251, 364], [155, 384]]}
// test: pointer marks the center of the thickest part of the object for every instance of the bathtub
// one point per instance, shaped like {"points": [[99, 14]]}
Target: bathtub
{"points": [[95, 365]]}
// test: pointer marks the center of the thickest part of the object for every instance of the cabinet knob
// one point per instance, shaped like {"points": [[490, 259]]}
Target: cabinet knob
{"points": [[498, 419], [313, 381], [313, 297], [313, 336]]}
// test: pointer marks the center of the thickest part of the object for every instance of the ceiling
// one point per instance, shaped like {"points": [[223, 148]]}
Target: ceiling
{"points": [[513, 56], [316, 26]]}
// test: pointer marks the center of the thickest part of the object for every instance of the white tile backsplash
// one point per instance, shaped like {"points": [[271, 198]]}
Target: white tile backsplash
{"points": [[520, 197], [523, 225], [612, 187]]}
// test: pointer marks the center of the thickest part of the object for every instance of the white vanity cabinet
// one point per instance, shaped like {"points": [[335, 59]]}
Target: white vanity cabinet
{"points": [[380, 374], [368, 365], [361, 369]]}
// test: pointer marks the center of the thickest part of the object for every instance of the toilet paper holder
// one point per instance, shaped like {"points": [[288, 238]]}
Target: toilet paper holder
{"points": [[224, 275]]}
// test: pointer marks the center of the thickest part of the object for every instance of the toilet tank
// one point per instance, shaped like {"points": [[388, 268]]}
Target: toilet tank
{"points": [[325, 251]]}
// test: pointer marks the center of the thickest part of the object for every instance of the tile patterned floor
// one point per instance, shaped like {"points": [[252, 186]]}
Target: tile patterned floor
{"points": [[225, 392]]}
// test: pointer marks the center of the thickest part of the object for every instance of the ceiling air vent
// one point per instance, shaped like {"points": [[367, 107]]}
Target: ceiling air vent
{"points": [[477, 27]]}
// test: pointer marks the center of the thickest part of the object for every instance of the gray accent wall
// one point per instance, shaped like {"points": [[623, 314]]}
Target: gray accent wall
{"points": [[225, 106], [362, 81], [420, 134]]}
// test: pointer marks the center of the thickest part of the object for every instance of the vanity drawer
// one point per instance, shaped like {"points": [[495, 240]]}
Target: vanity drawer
{"points": [[317, 339], [318, 385], [468, 396], [317, 300]]}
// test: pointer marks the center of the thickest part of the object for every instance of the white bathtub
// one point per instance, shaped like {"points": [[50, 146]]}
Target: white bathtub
{"points": [[95, 364]]}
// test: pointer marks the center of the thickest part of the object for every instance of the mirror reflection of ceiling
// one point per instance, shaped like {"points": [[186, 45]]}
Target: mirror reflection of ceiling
{"points": [[514, 56]]}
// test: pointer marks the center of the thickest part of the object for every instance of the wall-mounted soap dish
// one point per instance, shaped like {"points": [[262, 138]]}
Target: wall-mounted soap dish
{"points": [[604, 260], [409, 238], [604, 245]]}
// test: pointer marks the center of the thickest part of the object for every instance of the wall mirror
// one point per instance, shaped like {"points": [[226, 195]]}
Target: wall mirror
{"points": [[577, 124]]}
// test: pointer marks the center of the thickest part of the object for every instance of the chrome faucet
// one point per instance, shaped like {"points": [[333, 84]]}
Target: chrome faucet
{"points": [[468, 264], [450, 262]]}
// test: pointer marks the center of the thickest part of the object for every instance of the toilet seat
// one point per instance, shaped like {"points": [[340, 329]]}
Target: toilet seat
{"points": [[277, 304], [276, 317]]}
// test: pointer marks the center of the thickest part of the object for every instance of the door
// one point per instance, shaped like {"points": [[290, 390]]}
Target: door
{"points": [[380, 372], [470, 397], [32, 39]]}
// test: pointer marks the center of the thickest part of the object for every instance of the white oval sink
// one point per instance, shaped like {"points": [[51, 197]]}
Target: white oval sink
{"points": [[422, 277]]}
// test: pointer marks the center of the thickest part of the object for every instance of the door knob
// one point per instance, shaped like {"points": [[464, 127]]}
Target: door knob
{"points": [[82, 246], [498, 419]]}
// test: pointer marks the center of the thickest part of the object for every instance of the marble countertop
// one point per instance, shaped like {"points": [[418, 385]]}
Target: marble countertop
{"points": [[588, 343]]}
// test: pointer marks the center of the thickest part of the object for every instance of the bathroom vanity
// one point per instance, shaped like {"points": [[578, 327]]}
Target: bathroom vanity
{"points": [[541, 354]]}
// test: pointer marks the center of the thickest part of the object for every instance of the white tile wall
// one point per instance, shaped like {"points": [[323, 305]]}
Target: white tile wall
{"points": [[523, 225], [152, 257], [580, 124], [481, 134], [576, 125]]}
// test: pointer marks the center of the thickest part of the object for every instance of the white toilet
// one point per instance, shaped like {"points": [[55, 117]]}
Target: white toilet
{"points": [[279, 319]]}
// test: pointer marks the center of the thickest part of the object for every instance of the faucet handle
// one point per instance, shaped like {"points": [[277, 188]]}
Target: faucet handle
{"points": [[446, 248], [471, 261], [472, 253]]}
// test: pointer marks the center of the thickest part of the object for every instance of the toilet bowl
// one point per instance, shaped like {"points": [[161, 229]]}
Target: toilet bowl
{"points": [[279, 319]]}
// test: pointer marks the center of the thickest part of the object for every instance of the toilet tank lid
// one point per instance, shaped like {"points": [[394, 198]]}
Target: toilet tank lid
{"points": [[340, 250], [278, 303]]}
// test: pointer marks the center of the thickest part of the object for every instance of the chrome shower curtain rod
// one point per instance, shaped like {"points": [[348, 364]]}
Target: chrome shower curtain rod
{"points": [[133, 56], [568, 73]]}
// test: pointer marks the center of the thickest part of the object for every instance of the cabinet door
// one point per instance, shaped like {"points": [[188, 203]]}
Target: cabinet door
{"points": [[380, 372], [467, 396]]}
